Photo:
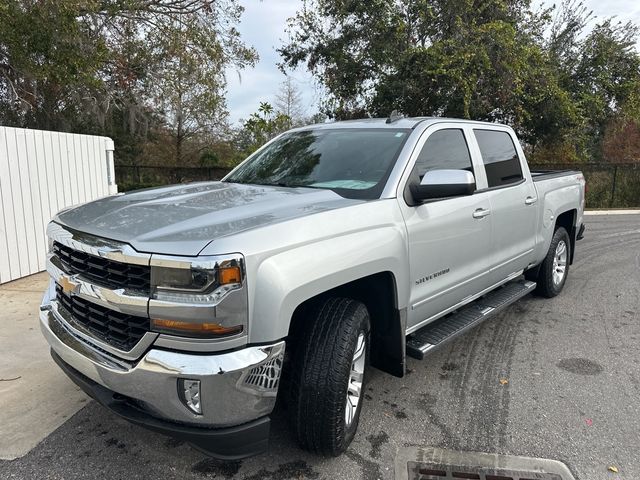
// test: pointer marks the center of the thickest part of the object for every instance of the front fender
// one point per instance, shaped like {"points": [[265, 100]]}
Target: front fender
{"points": [[285, 280]]}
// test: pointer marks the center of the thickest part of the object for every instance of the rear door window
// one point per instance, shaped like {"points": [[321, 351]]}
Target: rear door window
{"points": [[500, 157]]}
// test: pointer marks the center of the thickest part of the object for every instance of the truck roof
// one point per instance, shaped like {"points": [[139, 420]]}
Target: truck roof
{"points": [[405, 122]]}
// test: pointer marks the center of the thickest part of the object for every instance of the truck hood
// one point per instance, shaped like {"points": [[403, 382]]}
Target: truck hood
{"points": [[183, 219]]}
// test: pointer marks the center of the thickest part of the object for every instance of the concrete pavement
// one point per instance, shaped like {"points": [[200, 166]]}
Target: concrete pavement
{"points": [[35, 396]]}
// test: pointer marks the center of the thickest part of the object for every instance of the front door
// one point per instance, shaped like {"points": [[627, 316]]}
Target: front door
{"points": [[449, 239]]}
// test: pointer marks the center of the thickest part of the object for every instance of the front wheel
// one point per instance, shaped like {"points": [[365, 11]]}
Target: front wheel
{"points": [[328, 375], [554, 269]]}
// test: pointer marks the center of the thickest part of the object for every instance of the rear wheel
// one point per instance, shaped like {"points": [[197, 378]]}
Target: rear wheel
{"points": [[554, 269], [328, 374]]}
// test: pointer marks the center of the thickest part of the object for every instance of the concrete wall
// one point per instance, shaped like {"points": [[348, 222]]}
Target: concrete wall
{"points": [[41, 173]]}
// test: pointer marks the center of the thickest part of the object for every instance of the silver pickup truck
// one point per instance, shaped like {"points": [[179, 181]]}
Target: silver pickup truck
{"points": [[191, 309]]}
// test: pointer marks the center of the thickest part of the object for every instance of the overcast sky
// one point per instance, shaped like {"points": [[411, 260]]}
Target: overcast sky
{"points": [[263, 27]]}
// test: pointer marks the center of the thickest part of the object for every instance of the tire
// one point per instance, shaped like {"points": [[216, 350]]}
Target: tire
{"points": [[549, 281], [322, 372]]}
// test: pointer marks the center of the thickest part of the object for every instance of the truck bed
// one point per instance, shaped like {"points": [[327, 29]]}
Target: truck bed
{"points": [[540, 175]]}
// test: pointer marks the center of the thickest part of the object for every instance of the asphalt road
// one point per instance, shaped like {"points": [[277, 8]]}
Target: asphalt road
{"points": [[573, 394]]}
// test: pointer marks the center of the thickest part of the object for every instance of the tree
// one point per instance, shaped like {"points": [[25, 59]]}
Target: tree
{"points": [[136, 69], [491, 60], [289, 103], [261, 127], [188, 85], [442, 57], [49, 64]]}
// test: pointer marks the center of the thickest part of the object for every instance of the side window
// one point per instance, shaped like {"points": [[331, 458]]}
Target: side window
{"points": [[444, 149], [499, 157]]}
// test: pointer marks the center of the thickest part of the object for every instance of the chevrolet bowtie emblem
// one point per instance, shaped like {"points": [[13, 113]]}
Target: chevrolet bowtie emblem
{"points": [[68, 284]]}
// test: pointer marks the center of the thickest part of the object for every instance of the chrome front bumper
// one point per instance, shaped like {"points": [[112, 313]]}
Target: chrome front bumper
{"points": [[235, 387]]}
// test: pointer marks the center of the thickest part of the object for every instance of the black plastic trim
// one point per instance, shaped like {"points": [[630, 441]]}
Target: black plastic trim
{"points": [[229, 443], [580, 235], [541, 175], [500, 187]]}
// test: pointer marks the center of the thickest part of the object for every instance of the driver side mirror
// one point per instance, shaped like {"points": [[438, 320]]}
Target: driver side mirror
{"points": [[444, 183]]}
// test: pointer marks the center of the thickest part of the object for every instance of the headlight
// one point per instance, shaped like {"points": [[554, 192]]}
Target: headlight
{"points": [[190, 280], [195, 285], [198, 281]]}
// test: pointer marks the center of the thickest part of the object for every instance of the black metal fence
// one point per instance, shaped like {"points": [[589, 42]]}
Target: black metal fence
{"points": [[609, 185], [133, 177]]}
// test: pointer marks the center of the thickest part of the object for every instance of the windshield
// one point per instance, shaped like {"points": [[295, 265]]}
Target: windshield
{"points": [[354, 163]]}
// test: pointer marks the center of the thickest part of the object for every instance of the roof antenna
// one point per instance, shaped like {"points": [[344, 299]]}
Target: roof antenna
{"points": [[394, 116]]}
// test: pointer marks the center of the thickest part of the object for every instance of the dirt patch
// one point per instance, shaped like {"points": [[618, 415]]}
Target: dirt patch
{"points": [[580, 366], [216, 467], [376, 442]]}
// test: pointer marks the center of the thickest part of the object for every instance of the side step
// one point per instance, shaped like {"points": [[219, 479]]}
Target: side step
{"points": [[435, 334]]}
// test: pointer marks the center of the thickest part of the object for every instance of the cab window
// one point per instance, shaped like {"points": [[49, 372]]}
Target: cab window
{"points": [[500, 157], [444, 149]]}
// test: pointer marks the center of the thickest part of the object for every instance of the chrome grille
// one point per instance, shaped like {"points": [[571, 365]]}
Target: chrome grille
{"points": [[102, 271], [117, 329]]}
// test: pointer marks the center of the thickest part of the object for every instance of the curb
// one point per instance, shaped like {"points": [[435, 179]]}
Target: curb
{"points": [[613, 212]]}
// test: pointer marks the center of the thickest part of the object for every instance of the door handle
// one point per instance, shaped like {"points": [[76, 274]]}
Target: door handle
{"points": [[530, 200], [481, 213]]}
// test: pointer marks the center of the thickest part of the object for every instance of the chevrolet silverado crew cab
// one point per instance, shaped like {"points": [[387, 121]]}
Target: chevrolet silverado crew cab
{"points": [[334, 248]]}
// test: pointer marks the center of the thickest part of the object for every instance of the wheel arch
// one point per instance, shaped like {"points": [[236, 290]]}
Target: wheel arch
{"points": [[379, 293], [568, 221]]}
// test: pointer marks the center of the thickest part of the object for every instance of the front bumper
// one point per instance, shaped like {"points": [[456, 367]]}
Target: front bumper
{"points": [[236, 388], [230, 443]]}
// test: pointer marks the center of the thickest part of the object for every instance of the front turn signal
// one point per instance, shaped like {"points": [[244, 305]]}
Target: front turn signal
{"points": [[192, 329], [229, 275]]}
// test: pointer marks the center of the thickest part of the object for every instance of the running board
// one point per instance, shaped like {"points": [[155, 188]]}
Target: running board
{"points": [[438, 332]]}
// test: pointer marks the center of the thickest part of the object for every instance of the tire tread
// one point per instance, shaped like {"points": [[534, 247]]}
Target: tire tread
{"points": [[545, 286], [318, 378]]}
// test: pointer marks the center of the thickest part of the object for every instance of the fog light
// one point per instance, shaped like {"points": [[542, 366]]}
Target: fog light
{"points": [[189, 391]]}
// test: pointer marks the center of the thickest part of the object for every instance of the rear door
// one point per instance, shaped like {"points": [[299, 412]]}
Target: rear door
{"points": [[449, 242], [512, 196]]}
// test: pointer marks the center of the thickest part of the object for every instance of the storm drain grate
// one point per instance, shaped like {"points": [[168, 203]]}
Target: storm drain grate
{"points": [[421, 471], [430, 463]]}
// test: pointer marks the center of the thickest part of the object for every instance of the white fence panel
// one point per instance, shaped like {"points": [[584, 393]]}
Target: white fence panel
{"points": [[41, 173]]}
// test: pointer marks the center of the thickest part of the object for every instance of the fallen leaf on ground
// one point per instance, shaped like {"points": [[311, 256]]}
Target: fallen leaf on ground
{"points": [[589, 422], [503, 381], [613, 469]]}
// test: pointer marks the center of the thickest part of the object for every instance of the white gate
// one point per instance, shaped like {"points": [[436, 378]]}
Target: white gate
{"points": [[41, 173]]}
